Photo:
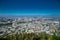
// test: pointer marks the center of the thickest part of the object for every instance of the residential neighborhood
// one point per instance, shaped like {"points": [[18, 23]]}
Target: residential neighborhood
{"points": [[28, 25]]}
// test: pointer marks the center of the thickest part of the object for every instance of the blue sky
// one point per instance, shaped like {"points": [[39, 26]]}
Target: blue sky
{"points": [[29, 7]]}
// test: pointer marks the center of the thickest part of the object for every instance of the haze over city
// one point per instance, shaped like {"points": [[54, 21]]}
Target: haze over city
{"points": [[29, 19]]}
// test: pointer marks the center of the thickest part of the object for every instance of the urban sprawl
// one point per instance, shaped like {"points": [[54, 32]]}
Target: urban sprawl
{"points": [[29, 25]]}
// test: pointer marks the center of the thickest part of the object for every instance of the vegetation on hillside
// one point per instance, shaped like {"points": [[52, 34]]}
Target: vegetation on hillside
{"points": [[31, 36]]}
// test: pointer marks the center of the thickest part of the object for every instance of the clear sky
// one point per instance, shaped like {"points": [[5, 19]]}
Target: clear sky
{"points": [[29, 7]]}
